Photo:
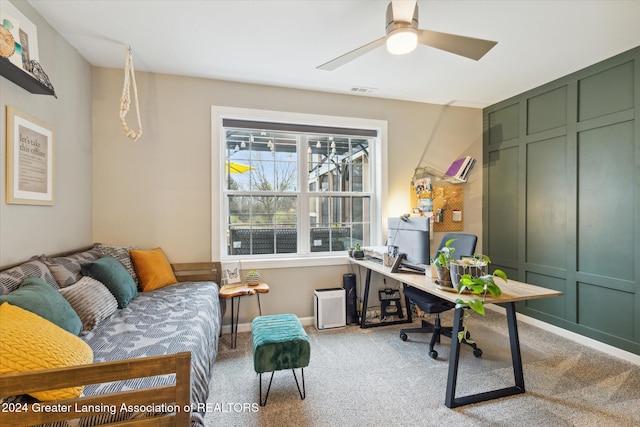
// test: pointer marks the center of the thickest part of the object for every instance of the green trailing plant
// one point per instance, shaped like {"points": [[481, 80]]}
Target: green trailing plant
{"points": [[480, 286], [445, 255]]}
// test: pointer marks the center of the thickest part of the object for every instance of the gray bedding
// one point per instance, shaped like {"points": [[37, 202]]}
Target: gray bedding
{"points": [[176, 318]]}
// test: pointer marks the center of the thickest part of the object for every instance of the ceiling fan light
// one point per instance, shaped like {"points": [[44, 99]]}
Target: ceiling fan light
{"points": [[402, 40]]}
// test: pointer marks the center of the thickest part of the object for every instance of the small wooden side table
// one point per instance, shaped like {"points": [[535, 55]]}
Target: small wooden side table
{"points": [[235, 292]]}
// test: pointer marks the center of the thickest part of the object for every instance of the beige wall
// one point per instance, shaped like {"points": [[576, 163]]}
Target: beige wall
{"points": [[157, 191], [33, 230]]}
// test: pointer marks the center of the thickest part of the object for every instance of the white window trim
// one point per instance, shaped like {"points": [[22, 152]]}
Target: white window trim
{"points": [[379, 170]]}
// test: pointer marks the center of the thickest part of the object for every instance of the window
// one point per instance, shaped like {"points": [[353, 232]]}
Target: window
{"points": [[297, 189]]}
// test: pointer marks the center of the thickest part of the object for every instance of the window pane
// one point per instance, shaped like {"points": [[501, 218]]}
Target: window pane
{"points": [[361, 209], [237, 161], [358, 235], [337, 164], [261, 161], [330, 239], [262, 174], [262, 225], [239, 210], [334, 226]]}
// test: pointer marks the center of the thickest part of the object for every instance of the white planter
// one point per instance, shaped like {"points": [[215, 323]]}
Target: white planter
{"points": [[457, 270], [253, 279]]}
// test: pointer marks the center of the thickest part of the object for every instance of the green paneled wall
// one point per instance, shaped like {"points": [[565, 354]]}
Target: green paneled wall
{"points": [[561, 202]]}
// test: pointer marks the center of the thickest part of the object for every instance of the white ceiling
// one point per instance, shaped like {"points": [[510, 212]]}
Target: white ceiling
{"points": [[281, 43]]}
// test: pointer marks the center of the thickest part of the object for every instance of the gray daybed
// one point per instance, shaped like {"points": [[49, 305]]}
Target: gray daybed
{"points": [[153, 357]]}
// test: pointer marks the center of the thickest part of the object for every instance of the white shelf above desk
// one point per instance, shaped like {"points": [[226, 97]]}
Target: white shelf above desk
{"points": [[424, 171]]}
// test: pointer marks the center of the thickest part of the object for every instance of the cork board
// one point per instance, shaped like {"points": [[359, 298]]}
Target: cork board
{"points": [[448, 197]]}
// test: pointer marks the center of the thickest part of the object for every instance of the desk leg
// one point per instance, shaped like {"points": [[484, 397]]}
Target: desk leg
{"points": [[514, 340], [365, 300], [516, 359], [407, 304], [454, 358]]}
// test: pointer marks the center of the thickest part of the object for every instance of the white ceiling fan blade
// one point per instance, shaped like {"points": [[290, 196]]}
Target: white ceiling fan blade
{"points": [[350, 56], [403, 10], [468, 47]]}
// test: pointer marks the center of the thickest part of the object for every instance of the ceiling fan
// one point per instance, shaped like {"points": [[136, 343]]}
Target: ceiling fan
{"points": [[403, 36]]}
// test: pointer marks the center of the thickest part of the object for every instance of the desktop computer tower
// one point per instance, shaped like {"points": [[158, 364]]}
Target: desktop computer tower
{"points": [[328, 308], [349, 285]]}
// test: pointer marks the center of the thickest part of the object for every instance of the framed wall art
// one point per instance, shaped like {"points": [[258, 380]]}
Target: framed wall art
{"points": [[30, 160], [232, 273]]}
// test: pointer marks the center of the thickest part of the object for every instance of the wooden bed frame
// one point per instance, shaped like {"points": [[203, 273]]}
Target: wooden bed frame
{"points": [[177, 396]]}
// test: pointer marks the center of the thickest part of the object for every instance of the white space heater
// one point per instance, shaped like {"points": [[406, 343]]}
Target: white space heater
{"points": [[329, 308]]}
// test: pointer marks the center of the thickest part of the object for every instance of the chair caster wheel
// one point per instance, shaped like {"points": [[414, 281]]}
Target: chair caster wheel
{"points": [[477, 352], [433, 354], [403, 337]]}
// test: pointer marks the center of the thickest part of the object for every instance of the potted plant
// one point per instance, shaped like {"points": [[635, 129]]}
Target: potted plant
{"points": [[253, 277], [445, 256], [479, 286], [358, 253], [475, 266]]}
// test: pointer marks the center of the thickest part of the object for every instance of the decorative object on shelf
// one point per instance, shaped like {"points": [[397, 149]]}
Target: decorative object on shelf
{"points": [[19, 51], [125, 100], [24, 33], [253, 277], [7, 43], [232, 273], [35, 68], [30, 154], [461, 168]]}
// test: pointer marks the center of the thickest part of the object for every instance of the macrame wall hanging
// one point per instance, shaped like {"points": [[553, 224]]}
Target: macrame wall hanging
{"points": [[125, 100]]}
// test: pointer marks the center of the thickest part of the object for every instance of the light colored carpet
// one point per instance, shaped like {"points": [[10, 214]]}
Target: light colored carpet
{"points": [[369, 377]]}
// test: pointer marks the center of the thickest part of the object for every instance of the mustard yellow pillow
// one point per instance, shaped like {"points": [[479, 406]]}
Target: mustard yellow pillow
{"points": [[30, 343], [153, 268]]}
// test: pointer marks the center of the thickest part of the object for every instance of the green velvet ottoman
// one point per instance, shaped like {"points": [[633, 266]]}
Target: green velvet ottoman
{"points": [[279, 342]]}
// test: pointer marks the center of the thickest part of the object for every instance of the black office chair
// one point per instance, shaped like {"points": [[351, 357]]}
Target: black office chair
{"points": [[464, 245]]}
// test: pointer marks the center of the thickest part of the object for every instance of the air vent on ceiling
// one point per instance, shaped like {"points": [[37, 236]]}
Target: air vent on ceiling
{"points": [[362, 89]]}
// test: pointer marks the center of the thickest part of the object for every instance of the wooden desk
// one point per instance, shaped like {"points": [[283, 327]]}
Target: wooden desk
{"points": [[235, 292], [512, 291]]}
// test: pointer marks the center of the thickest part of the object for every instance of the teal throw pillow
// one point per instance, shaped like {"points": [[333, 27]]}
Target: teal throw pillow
{"points": [[114, 276], [37, 296]]}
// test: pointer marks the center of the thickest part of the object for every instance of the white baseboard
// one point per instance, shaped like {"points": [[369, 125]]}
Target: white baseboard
{"points": [[246, 327], [580, 339]]}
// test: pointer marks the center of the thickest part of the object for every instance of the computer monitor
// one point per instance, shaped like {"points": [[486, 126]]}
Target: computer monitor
{"points": [[411, 236]]}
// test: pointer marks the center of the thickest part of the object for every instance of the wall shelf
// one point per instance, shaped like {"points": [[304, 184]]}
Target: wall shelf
{"points": [[425, 171], [23, 79]]}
